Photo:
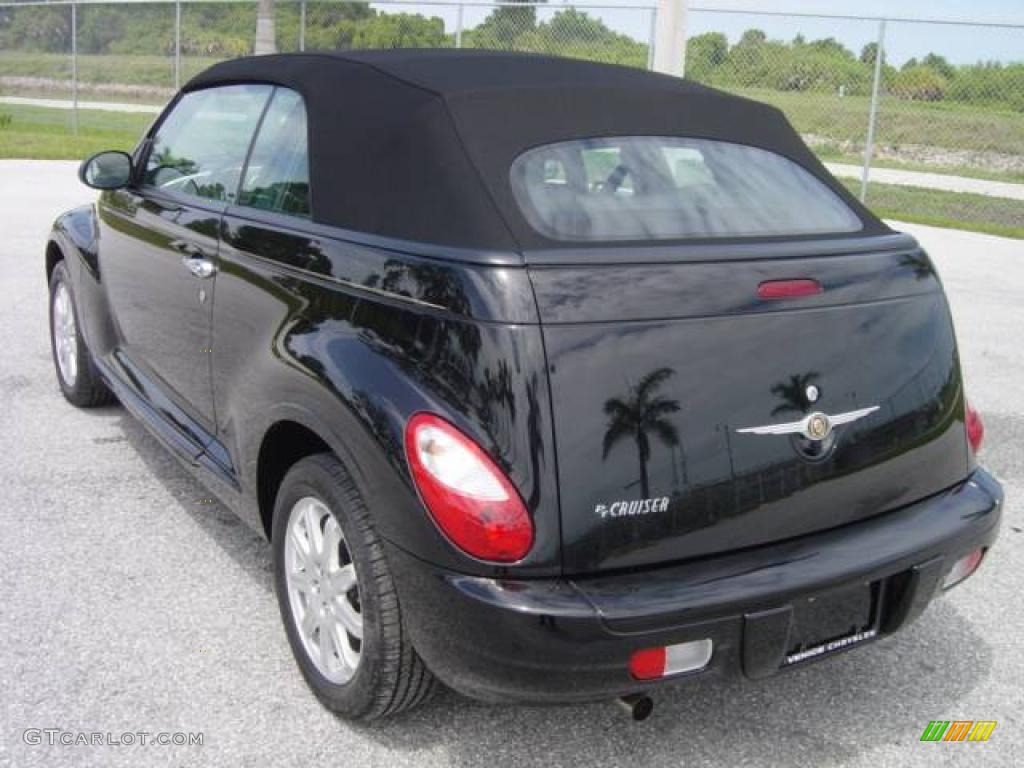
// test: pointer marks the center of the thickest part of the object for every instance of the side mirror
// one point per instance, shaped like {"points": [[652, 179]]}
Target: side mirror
{"points": [[106, 170]]}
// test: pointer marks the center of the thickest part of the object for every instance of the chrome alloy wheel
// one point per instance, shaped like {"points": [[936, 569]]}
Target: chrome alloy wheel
{"points": [[323, 591], [65, 336]]}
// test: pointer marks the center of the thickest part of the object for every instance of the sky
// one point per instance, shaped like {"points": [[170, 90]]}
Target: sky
{"points": [[958, 43]]}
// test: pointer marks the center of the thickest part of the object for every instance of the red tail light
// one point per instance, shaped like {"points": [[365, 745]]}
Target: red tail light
{"points": [[652, 663], [469, 497], [648, 664], [975, 429], [788, 289]]}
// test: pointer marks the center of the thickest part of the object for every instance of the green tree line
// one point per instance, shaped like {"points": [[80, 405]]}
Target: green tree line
{"points": [[829, 66], [754, 61]]}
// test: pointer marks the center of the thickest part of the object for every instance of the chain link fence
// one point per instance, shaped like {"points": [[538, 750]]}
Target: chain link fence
{"points": [[142, 51], [920, 132], [916, 133]]}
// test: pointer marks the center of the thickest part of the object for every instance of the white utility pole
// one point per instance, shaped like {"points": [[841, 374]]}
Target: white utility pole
{"points": [[670, 37], [266, 36]]}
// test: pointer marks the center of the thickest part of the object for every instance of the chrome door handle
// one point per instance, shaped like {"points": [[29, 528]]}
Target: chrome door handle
{"points": [[199, 266]]}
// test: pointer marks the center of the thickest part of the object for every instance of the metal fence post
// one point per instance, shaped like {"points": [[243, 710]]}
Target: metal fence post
{"points": [[302, 25], [651, 38], [177, 45], [458, 27], [74, 68], [869, 146]]}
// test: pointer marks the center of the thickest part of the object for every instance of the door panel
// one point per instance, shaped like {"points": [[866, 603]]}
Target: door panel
{"points": [[162, 309], [158, 241]]}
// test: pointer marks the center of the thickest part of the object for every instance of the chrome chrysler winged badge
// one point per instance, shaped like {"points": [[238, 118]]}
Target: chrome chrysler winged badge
{"points": [[814, 426]]}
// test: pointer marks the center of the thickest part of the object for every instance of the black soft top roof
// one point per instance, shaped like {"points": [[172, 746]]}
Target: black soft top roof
{"points": [[417, 144]]}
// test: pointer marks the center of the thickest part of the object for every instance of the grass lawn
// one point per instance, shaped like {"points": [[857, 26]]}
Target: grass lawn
{"points": [[955, 126], [45, 134], [959, 210], [123, 69]]}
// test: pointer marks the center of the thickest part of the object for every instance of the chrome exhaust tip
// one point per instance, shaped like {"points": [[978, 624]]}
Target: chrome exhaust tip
{"points": [[638, 705]]}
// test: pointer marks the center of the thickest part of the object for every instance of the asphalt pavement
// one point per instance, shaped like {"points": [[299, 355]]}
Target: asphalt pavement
{"points": [[129, 602]]}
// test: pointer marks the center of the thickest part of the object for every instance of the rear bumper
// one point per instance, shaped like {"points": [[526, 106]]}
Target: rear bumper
{"points": [[570, 639]]}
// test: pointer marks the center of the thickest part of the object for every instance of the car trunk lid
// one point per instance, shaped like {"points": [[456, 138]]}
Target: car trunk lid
{"points": [[663, 375]]}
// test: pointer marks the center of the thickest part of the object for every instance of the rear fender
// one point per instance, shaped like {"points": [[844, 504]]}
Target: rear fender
{"points": [[351, 341]]}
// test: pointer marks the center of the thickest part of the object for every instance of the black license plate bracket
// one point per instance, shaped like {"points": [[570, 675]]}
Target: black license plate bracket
{"points": [[833, 621]]}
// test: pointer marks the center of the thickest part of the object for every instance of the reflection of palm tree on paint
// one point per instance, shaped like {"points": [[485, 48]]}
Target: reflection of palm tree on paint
{"points": [[793, 393], [919, 263], [641, 414]]}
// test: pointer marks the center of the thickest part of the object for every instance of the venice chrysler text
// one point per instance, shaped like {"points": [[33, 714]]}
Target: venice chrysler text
{"points": [[547, 380]]}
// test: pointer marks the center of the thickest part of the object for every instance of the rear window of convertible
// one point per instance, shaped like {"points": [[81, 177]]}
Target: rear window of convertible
{"points": [[662, 188]]}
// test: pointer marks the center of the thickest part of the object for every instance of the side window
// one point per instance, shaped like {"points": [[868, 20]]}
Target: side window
{"points": [[277, 177], [200, 147]]}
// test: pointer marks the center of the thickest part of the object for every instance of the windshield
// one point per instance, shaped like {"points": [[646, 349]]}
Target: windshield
{"points": [[661, 188]]}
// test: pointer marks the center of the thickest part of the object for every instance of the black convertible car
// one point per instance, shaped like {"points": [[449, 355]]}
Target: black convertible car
{"points": [[549, 380]]}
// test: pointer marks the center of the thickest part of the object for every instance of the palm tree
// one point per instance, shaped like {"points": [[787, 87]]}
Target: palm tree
{"points": [[639, 415], [265, 34], [793, 393]]}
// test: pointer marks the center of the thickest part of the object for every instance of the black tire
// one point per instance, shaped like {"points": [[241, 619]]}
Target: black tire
{"points": [[87, 389], [390, 677]]}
